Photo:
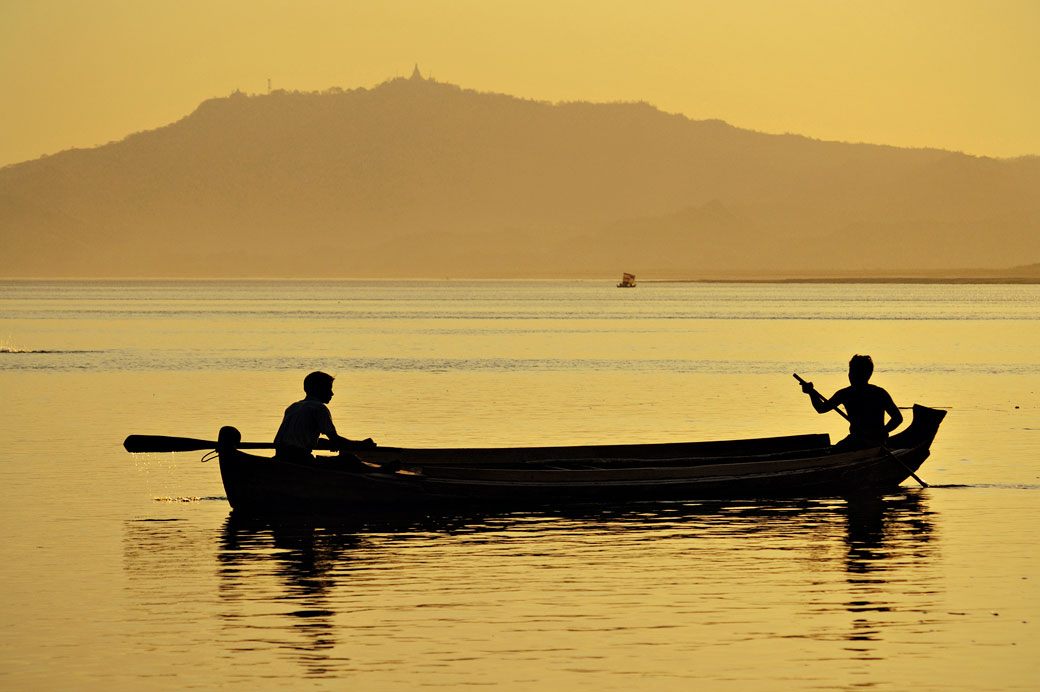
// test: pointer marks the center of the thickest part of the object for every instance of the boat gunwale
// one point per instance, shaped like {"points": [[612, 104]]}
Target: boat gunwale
{"points": [[655, 451], [691, 469], [341, 484]]}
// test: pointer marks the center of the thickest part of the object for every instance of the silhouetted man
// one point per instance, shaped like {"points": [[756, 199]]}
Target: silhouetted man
{"points": [[866, 406], [308, 418]]}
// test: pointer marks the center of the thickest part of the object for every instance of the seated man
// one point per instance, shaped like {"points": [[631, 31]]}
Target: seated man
{"points": [[865, 404], [308, 418]]}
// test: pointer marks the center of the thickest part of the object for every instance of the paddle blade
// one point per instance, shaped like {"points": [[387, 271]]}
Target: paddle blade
{"points": [[163, 443]]}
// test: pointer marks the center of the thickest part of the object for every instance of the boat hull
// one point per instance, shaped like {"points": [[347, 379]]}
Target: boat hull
{"points": [[262, 485]]}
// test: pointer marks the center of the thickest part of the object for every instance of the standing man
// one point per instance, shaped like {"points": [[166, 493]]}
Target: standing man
{"points": [[866, 406], [308, 418]]}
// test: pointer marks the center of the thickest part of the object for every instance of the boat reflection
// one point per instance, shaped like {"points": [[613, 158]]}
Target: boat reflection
{"points": [[875, 523], [303, 559], [317, 562], [320, 595], [888, 538]]}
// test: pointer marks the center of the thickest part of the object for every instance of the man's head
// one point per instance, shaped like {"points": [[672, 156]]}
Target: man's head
{"points": [[860, 369], [319, 385]]}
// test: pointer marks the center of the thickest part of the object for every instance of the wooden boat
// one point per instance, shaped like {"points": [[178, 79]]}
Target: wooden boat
{"points": [[389, 479], [627, 281]]}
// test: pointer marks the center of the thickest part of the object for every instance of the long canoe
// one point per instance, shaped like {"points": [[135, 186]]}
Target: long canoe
{"points": [[388, 479]]}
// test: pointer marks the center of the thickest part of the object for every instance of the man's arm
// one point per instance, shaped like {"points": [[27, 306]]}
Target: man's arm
{"points": [[819, 403], [343, 443], [340, 443], [895, 417]]}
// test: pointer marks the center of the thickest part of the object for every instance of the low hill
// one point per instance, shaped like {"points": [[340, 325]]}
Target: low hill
{"points": [[419, 178]]}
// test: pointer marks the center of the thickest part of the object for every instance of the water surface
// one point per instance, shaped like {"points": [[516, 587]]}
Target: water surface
{"points": [[129, 572]]}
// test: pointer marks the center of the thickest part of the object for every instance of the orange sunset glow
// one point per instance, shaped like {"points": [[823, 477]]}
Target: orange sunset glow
{"points": [[683, 140], [569, 346]]}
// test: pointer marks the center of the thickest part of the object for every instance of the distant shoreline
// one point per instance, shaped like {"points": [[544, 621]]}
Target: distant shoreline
{"points": [[860, 280], [962, 280]]}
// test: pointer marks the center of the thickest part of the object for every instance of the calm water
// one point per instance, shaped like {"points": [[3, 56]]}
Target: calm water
{"points": [[129, 573]]}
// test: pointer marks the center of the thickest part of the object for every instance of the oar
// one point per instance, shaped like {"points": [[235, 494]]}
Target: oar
{"points": [[815, 394], [164, 443]]}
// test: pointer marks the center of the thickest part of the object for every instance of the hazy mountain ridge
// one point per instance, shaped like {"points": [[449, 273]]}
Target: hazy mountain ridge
{"points": [[418, 178]]}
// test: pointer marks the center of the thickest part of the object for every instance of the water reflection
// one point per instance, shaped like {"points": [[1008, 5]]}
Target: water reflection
{"points": [[304, 559], [315, 571], [887, 542], [324, 598], [874, 524]]}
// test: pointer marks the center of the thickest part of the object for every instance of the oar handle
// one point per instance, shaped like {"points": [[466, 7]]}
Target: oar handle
{"points": [[165, 443], [816, 394]]}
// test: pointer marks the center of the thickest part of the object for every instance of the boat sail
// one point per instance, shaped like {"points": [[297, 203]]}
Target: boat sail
{"points": [[627, 281]]}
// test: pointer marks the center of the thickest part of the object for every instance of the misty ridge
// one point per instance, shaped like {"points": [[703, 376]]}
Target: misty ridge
{"points": [[416, 178]]}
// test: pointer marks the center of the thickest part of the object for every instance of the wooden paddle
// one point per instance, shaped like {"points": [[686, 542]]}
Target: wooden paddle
{"points": [[819, 397], [816, 395], [163, 443]]}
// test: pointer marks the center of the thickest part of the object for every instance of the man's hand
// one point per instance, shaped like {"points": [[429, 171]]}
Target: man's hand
{"points": [[808, 388], [366, 443]]}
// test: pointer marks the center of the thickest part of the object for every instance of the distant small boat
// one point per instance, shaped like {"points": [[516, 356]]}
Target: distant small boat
{"points": [[627, 281]]}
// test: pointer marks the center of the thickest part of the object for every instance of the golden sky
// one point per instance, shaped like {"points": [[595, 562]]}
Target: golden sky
{"points": [[953, 74]]}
